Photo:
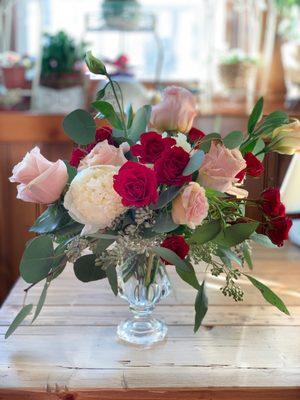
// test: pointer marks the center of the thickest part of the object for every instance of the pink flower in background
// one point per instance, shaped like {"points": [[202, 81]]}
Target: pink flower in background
{"points": [[191, 206], [105, 154], [176, 112], [219, 169], [40, 180]]}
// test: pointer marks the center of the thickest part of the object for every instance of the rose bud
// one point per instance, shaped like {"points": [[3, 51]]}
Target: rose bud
{"points": [[286, 138]]}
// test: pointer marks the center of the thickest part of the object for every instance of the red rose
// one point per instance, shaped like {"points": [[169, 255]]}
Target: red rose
{"points": [[151, 147], [195, 134], [177, 244], [254, 167], [136, 184], [76, 156], [278, 230], [103, 133], [271, 203], [170, 165]]}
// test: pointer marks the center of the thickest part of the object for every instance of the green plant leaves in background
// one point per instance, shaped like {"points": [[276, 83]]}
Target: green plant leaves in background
{"points": [[26, 310], [139, 123], [206, 232], [86, 270], [37, 259], [255, 115], [201, 306], [194, 164], [235, 234], [233, 140], [80, 126], [55, 216], [268, 295], [171, 257], [108, 112]]}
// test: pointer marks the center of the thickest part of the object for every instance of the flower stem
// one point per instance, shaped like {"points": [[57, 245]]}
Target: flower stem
{"points": [[149, 269], [118, 103]]}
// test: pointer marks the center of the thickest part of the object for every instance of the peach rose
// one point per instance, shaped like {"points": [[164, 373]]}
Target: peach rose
{"points": [[40, 180], [176, 112], [105, 154], [191, 206], [219, 169]]}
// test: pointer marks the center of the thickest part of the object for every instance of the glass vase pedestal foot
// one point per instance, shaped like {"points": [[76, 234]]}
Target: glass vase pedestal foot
{"points": [[142, 331]]}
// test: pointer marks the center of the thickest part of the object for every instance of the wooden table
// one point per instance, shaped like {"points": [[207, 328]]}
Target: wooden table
{"points": [[244, 351]]}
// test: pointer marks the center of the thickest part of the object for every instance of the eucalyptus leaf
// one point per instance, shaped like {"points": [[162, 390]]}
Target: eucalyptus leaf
{"points": [[41, 301], [139, 123], [111, 274], [205, 143], [164, 223], [235, 234], [263, 240], [103, 244], [26, 310], [206, 232], [201, 306], [255, 115], [247, 255], [80, 126], [268, 295], [233, 139], [171, 257], [86, 270], [37, 259], [108, 112], [166, 197], [189, 277], [54, 217], [194, 163], [231, 256]]}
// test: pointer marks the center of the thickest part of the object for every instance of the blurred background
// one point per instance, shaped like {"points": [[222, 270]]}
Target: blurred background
{"points": [[227, 52]]}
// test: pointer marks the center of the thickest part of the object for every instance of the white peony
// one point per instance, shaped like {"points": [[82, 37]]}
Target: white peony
{"points": [[92, 200]]}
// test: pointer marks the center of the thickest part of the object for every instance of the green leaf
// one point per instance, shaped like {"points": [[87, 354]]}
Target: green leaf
{"points": [[268, 295], [206, 232], [255, 115], [129, 116], [233, 139], [139, 123], [247, 255], [103, 244], [189, 277], [164, 223], [37, 259], [194, 164], [26, 310], [80, 126], [171, 258], [165, 197], [41, 301], [258, 148], [205, 143], [106, 236], [108, 112], [111, 274], [53, 218], [235, 234], [86, 270], [263, 240], [71, 229], [230, 255], [72, 171], [201, 306], [95, 65], [271, 122]]}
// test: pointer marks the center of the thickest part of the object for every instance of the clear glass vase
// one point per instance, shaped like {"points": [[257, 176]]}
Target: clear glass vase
{"points": [[142, 282]]}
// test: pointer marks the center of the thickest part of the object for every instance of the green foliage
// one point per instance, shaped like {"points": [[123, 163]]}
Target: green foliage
{"points": [[229, 255], [80, 126], [171, 258], [72, 171], [271, 122], [54, 217], [86, 270], [60, 54], [205, 143], [263, 240], [111, 274], [189, 277], [139, 123], [164, 223], [255, 115], [95, 65], [206, 232], [201, 306], [26, 310], [41, 301], [194, 163], [108, 112], [235, 234], [37, 259], [247, 255], [233, 139], [166, 197], [268, 295]]}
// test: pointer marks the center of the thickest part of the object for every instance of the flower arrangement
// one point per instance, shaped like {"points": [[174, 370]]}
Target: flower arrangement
{"points": [[150, 193]]}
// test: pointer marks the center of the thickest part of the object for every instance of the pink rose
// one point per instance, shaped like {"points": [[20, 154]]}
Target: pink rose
{"points": [[40, 180], [219, 168], [105, 154], [176, 112], [191, 206]]}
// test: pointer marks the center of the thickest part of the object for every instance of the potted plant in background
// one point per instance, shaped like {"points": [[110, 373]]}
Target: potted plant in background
{"points": [[61, 77], [13, 69], [121, 14]]}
